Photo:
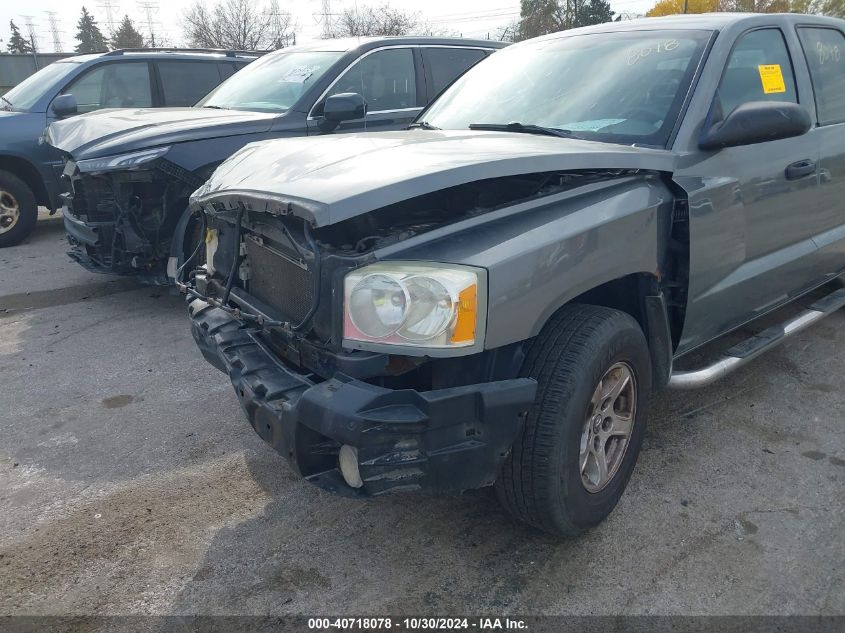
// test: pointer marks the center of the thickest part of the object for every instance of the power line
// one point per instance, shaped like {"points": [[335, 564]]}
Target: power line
{"points": [[447, 16], [476, 17]]}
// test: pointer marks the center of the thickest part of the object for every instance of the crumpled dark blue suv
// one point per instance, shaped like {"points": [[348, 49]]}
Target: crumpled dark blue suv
{"points": [[146, 78]]}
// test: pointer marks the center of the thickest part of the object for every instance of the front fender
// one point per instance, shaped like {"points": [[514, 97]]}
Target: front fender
{"points": [[543, 253]]}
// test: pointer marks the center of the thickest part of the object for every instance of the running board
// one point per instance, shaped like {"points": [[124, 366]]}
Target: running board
{"points": [[747, 350]]}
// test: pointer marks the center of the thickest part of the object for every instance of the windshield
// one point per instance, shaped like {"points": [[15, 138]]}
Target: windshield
{"points": [[271, 84], [622, 87], [30, 90]]}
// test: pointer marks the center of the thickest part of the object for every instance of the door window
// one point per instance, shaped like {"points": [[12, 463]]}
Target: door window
{"points": [[444, 65], [117, 85], [185, 83], [825, 53], [759, 69], [386, 79]]}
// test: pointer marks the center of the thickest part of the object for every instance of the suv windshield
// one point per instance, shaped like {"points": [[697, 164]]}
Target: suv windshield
{"points": [[271, 84], [621, 87], [30, 90]]}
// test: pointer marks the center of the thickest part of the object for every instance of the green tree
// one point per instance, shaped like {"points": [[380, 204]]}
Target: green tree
{"points": [[538, 17], [90, 37], [126, 35], [593, 12], [18, 43]]}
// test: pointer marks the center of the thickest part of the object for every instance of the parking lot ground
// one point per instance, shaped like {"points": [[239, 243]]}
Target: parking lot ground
{"points": [[131, 483]]}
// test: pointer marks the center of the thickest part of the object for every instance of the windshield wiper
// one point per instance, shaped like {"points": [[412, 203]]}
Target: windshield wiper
{"points": [[423, 125], [215, 107], [523, 128], [6, 100]]}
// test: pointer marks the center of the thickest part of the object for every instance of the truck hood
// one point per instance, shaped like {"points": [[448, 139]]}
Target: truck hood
{"points": [[332, 178], [114, 131]]}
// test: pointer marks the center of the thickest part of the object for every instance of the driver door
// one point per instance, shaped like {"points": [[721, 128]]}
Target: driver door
{"points": [[113, 85], [388, 80], [752, 208]]}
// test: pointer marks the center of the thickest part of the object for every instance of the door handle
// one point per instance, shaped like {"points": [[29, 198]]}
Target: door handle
{"points": [[800, 169]]}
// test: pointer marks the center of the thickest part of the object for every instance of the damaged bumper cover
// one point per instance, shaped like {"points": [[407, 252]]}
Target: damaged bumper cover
{"points": [[442, 440], [87, 239]]}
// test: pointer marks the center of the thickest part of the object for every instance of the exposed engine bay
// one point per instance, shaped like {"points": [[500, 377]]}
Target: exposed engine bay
{"points": [[129, 215], [415, 216]]}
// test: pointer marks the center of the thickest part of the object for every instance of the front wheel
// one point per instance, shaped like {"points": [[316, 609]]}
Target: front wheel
{"points": [[582, 436], [18, 209]]}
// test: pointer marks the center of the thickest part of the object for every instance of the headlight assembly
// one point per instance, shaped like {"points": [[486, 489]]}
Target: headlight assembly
{"points": [[121, 161], [421, 306]]}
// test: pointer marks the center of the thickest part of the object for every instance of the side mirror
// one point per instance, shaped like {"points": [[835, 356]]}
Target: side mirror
{"points": [[345, 106], [756, 122], [64, 105]]}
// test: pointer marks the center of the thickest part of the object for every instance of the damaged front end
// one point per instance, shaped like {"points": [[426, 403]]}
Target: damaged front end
{"points": [[362, 419], [121, 212], [266, 310]]}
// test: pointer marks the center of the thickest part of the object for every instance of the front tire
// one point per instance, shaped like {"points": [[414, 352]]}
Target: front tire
{"points": [[582, 436], [18, 210]]}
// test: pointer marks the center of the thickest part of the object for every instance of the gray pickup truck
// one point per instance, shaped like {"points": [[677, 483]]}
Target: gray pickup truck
{"points": [[492, 296]]}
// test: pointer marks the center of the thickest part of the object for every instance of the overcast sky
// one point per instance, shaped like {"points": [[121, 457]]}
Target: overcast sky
{"points": [[470, 18]]}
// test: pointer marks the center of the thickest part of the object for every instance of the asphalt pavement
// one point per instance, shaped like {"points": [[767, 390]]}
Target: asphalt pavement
{"points": [[130, 482]]}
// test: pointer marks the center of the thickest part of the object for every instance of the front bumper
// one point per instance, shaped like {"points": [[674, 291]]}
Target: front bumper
{"points": [[442, 440], [91, 247], [87, 241]]}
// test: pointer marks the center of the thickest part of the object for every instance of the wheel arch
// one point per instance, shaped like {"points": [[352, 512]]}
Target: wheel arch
{"points": [[640, 296], [29, 173], [183, 226]]}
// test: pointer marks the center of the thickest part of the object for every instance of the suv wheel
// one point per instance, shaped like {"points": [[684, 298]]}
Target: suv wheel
{"points": [[18, 210], [570, 466]]}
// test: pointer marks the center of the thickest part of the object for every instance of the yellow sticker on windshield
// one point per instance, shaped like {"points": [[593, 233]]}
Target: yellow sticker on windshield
{"points": [[772, 78]]}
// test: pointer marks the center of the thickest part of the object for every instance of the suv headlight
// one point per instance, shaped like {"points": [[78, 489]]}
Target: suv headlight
{"points": [[428, 306], [121, 161]]}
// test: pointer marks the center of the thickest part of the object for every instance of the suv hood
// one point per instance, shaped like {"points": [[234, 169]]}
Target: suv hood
{"points": [[332, 178], [113, 131]]}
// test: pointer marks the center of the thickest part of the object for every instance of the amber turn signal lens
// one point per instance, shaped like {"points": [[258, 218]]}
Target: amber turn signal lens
{"points": [[467, 316]]}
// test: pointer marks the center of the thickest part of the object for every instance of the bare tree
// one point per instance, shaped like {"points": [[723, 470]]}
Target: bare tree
{"points": [[507, 32], [238, 24], [380, 20]]}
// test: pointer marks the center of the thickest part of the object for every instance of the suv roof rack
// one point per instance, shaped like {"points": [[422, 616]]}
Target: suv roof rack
{"points": [[218, 51]]}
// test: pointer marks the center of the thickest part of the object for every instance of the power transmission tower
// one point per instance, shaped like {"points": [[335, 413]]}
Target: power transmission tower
{"points": [[54, 31], [110, 7], [29, 22], [150, 7], [326, 17]]}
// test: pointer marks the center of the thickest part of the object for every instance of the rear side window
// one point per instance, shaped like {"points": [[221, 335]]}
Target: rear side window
{"points": [[759, 69], [185, 83], [386, 79], [227, 69], [825, 53], [114, 85], [444, 65]]}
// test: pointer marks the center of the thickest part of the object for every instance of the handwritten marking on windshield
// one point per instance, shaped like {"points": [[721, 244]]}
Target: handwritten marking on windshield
{"points": [[657, 48]]}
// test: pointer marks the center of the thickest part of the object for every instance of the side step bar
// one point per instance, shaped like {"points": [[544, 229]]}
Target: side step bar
{"points": [[747, 350]]}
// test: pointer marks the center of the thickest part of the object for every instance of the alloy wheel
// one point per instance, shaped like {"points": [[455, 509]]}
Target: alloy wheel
{"points": [[607, 429], [10, 211]]}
